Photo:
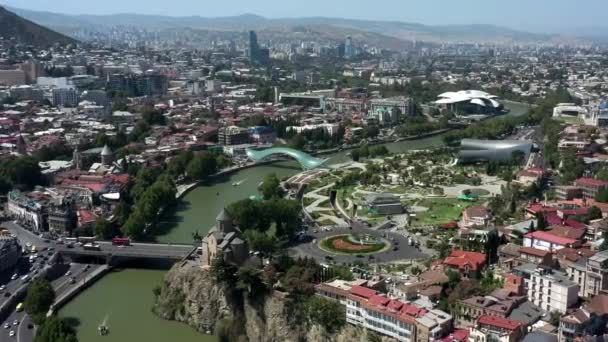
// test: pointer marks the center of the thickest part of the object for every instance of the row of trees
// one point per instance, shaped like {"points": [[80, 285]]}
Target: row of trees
{"points": [[40, 296], [371, 152]]}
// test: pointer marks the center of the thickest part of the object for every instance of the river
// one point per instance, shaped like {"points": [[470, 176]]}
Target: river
{"points": [[126, 297]]}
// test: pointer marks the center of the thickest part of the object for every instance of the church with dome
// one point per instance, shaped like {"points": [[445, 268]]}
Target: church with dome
{"points": [[227, 239]]}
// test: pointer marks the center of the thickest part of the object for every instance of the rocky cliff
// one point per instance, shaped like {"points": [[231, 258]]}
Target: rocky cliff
{"points": [[190, 295]]}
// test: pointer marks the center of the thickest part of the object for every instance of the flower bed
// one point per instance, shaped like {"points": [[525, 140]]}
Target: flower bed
{"points": [[341, 244]]}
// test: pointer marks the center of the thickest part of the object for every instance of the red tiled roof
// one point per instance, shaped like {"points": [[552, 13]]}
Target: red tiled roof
{"points": [[363, 291], [590, 182], [546, 236], [395, 305], [536, 208], [499, 322], [576, 211], [567, 232], [86, 216], [553, 219], [379, 300], [460, 259], [575, 224], [533, 251]]}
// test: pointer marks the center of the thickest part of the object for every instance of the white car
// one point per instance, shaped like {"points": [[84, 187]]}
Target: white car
{"points": [[12, 333], [6, 325], [68, 273], [16, 322], [15, 276], [3, 287]]}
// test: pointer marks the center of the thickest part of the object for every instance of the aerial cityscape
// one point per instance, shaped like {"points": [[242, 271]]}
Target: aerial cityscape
{"points": [[298, 175]]}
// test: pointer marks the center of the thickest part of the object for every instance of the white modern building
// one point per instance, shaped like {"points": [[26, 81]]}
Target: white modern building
{"points": [[330, 128], [470, 102], [552, 290], [569, 110]]}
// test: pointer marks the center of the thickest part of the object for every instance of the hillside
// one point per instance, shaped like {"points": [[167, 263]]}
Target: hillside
{"points": [[28, 32], [331, 26]]}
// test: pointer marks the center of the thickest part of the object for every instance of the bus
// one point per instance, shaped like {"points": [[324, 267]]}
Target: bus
{"points": [[86, 239], [121, 241], [19, 307], [91, 247]]}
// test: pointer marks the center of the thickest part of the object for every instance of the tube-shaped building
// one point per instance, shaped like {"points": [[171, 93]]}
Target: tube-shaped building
{"points": [[473, 150]]}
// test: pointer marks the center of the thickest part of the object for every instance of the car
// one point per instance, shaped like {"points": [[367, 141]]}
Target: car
{"points": [[72, 280], [30, 326], [16, 322], [14, 276], [6, 325], [28, 245], [3, 287], [12, 333], [7, 294], [68, 273], [395, 248]]}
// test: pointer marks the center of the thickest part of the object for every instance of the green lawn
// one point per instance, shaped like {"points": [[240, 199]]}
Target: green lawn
{"points": [[441, 210]]}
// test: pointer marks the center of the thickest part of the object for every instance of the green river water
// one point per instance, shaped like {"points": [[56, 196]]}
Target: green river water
{"points": [[124, 298]]}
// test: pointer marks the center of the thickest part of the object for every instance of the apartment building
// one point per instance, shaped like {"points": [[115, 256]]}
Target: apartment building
{"points": [[497, 329], [590, 187], [552, 290], [402, 321], [597, 274]]}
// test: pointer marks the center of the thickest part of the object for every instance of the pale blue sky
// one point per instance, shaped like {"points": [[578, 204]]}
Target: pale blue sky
{"points": [[536, 15]]}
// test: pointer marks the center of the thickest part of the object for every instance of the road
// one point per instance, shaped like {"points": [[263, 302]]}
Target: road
{"points": [[24, 329], [310, 247], [152, 250]]}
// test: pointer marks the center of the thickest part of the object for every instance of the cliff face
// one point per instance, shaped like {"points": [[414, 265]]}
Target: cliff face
{"points": [[190, 295]]}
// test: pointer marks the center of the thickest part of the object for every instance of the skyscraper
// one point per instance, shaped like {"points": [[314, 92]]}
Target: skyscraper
{"points": [[257, 55], [348, 48], [254, 48]]}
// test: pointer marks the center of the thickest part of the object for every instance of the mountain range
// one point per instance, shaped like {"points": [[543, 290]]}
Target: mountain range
{"points": [[28, 32], [388, 32]]}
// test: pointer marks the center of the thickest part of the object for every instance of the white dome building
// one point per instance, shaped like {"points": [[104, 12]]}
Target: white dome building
{"points": [[470, 102]]}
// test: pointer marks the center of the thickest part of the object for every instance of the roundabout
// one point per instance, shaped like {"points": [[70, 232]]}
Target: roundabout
{"points": [[350, 244], [347, 245]]}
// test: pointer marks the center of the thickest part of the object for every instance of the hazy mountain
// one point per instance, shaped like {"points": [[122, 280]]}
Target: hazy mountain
{"points": [[399, 30], [28, 32]]}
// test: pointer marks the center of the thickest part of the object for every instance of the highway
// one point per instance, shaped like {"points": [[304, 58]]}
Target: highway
{"points": [[24, 332]]}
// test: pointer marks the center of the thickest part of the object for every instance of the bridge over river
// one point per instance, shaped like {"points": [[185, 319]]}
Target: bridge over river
{"points": [[136, 251]]}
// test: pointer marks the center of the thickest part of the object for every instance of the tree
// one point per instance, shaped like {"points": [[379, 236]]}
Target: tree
{"points": [[602, 196], [326, 313], [604, 245], [104, 229], [271, 187], [23, 171], [593, 213], [201, 166], [354, 154], [531, 228], [554, 318], [40, 296], [55, 329], [249, 279], [153, 117], [223, 271], [541, 222], [297, 142]]}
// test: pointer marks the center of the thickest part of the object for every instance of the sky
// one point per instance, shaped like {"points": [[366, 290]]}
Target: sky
{"points": [[527, 15]]}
